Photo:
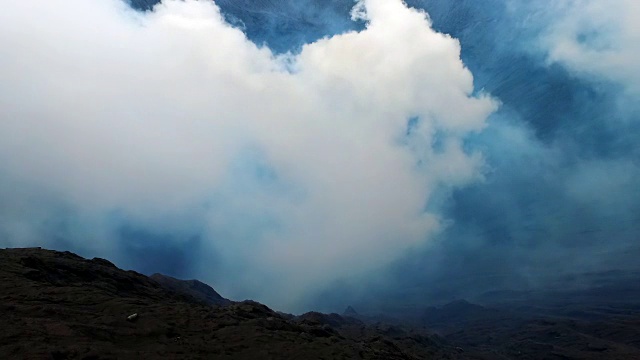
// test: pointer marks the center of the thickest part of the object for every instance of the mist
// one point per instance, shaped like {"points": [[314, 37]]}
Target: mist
{"points": [[167, 139], [314, 155], [560, 196]]}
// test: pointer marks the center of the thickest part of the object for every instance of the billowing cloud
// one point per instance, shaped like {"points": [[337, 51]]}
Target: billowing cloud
{"points": [[288, 170], [560, 197], [596, 37]]}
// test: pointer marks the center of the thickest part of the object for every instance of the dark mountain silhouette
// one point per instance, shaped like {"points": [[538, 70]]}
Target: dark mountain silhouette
{"points": [[350, 311], [194, 288], [58, 305], [571, 325]]}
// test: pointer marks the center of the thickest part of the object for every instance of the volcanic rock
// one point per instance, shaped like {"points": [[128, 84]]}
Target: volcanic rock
{"points": [[58, 305]]}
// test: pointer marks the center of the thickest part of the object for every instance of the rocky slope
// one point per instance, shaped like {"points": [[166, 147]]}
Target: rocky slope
{"points": [[193, 288], [57, 305]]}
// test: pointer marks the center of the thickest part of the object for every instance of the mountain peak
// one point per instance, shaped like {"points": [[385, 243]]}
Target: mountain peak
{"points": [[350, 311], [194, 288]]}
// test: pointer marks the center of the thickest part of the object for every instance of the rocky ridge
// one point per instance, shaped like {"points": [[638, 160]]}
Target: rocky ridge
{"points": [[58, 305]]}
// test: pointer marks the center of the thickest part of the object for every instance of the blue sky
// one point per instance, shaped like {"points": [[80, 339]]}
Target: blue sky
{"points": [[314, 154]]}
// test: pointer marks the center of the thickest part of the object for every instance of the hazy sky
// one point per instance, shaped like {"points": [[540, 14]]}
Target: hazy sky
{"points": [[306, 154]]}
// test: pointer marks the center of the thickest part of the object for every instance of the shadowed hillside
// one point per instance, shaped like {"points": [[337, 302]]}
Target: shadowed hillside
{"points": [[57, 305]]}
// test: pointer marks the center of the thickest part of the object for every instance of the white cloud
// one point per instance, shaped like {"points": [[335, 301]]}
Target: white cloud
{"points": [[597, 37], [153, 114]]}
